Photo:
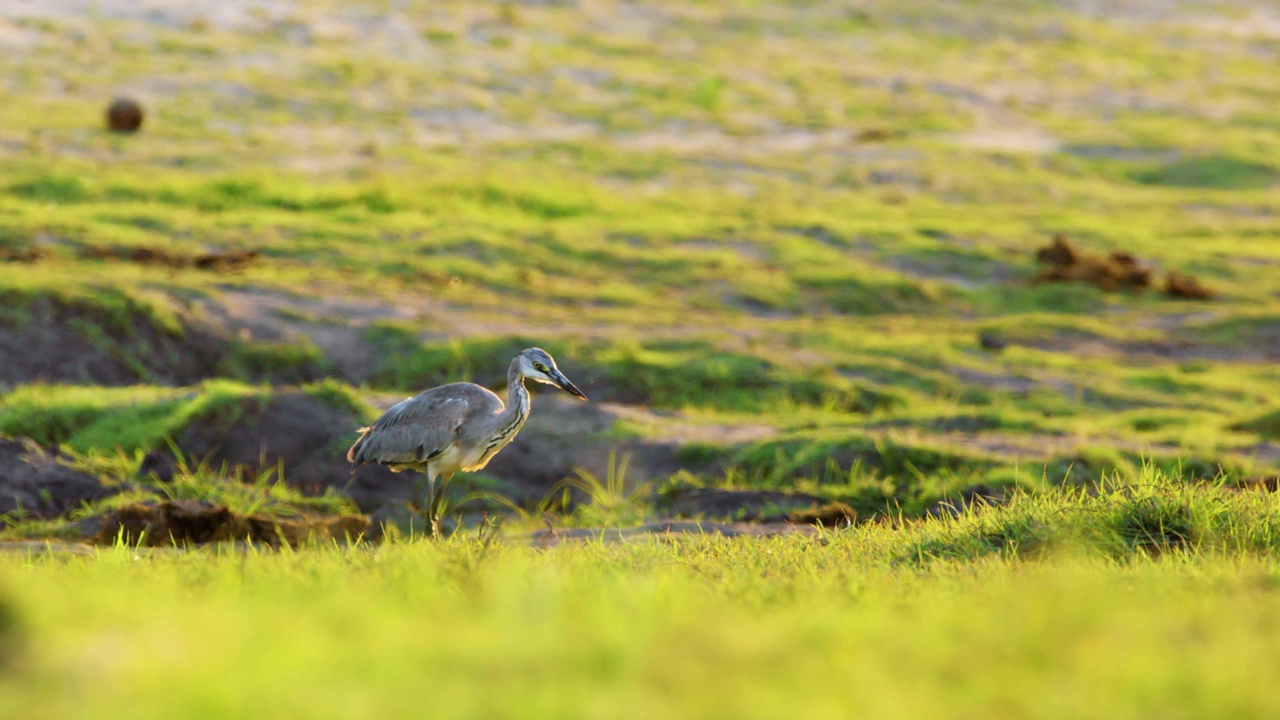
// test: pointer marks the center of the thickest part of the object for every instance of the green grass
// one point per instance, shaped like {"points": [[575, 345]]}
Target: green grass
{"points": [[1042, 608], [798, 217]]}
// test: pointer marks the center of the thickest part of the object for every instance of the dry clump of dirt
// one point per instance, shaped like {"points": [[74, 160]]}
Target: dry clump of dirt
{"points": [[220, 262], [38, 482], [190, 522], [1062, 261], [1189, 287], [124, 115]]}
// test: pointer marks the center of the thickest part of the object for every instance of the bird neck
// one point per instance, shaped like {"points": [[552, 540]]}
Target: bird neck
{"points": [[509, 421], [517, 398]]}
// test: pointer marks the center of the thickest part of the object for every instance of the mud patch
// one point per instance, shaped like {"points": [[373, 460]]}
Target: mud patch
{"points": [[35, 482], [189, 522]]}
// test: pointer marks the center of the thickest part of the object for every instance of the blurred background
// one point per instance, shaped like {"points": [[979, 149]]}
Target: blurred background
{"points": [[863, 256]]}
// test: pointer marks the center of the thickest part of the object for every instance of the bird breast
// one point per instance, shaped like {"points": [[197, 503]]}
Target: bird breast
{"points": [[479, 457]]}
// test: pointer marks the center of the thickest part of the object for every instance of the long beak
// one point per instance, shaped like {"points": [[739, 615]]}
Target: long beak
{"points": [[565, 385]]}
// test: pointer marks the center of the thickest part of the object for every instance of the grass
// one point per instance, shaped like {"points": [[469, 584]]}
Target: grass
{"points": [[1042, 608], [796, 220]]}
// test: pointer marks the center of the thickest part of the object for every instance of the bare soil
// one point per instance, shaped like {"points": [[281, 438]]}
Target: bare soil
{"points": [[666, 530], [55, 341], [749, 505], [301, 437], [37, 483]]}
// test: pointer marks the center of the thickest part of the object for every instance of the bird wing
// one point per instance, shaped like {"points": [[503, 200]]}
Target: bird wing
{"points": [[412, 431]]}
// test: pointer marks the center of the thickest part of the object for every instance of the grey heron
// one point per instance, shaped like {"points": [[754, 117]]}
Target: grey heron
{"points": [[459, 426]]}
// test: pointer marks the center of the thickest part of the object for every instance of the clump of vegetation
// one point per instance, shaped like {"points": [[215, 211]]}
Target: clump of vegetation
{"points": [[1267, 425]]}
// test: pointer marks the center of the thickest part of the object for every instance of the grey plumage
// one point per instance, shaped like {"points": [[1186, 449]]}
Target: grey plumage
{"points": [[455, 427]]}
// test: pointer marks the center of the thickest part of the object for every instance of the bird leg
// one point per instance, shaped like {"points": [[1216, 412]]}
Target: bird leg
{"points": [[423, 503], [433, 509], [428, 504], [433, 516]]}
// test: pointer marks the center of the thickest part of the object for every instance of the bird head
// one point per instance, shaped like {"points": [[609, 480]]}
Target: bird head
{"points": [[537, 364]]}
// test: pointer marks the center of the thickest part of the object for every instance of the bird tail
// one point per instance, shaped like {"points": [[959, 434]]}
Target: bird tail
{"points": [[354, 455]]}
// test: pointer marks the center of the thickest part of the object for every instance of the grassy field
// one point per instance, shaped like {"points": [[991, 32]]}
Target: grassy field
{"points": [[787, 248], [1139, 603]]}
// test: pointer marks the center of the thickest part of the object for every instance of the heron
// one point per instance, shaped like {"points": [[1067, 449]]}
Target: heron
{"points": [[459, 426]]}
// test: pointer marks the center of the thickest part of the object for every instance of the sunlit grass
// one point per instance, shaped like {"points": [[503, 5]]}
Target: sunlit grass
{"points": [[1153, 599]]}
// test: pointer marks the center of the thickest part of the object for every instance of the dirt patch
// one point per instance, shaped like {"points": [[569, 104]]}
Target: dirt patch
{"points": [[54, 341], [1062, 261], [336, 326], [37, 483], [306, 439], [189, 522], [752, 506], [1178, 349], [26, 255], [299, 435], [565, 435], [560, 439], [665, 530], [226, 262]]}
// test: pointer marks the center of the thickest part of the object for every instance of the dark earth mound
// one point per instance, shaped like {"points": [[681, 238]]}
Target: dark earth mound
{"points": [[303, 437], [190, 522], [54, 341], [37, 483], [563, 436]]}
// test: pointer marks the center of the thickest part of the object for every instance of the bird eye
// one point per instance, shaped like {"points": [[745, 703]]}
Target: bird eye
{"points": [[539, 367]]}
